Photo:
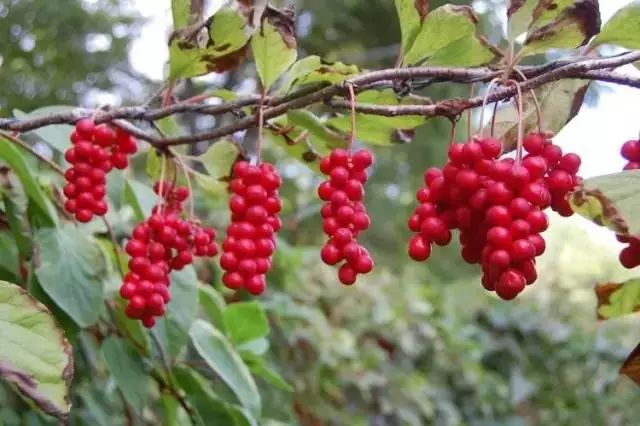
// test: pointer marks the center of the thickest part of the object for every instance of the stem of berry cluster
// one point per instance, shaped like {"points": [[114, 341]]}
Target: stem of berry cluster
{"points": [[520, 121], [490, 87], [352, 101]]}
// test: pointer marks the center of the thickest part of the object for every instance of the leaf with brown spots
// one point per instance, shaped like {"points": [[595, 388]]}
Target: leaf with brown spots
{"points": [[616, 300], [274, 45], [35, 357], [631, 366], [224, 48], [611, 200], [554, 27]]}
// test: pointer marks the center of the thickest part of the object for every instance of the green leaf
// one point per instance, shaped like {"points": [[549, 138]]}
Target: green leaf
{"points": [[622, 28], [131, 329], [411, 14], [172, 330], [441, 29], [56, 135], [331, 73], [274, 49], [128, 370], [181, 12], [19, 226], [616, 300], [611, 200], [154, 166], [465, 52], [219, 159], [560, 101], [213, 305], [14, 159], [519, 14], [295, 141], [562, 28], [140, 197], [298, 70], [378, 130], [35, 356], [218, 353], [317, 129], [229, 33], [71, 269], [207, 404], [259, 367], [245, 321], [9, 261]]}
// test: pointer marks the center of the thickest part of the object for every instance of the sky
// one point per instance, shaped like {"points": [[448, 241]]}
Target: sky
{"points": [[602, 127]]}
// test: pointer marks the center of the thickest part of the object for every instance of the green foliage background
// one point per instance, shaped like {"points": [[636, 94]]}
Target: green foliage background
{"points": [[408, 345]]}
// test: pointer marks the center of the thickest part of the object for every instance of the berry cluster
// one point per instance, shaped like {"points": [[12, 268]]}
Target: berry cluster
{"points": [[95, 151], [251, 235], [630, 255], [497, 205], [343, 213], [160, 244]]}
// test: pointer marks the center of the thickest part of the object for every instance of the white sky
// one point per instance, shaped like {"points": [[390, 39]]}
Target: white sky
{"points": [[596, 133]]}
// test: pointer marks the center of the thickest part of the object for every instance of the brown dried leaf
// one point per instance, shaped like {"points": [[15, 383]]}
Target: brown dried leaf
{"points": [[572, 27], [631, 366], [603, 294]]}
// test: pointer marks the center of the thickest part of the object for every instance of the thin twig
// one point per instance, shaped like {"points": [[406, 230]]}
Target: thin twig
{"points": [[22, 144]]}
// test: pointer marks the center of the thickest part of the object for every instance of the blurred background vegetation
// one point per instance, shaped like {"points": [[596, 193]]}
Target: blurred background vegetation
{"points": [[411, 344]]}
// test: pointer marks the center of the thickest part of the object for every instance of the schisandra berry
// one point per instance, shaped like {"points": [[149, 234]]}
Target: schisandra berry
{"points": [[163, 243], [630, 256], [251, 236], [96, 150], [343, 213], [497, 206]]}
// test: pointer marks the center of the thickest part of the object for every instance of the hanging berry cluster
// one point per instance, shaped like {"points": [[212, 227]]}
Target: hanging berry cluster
{"points": [[497, 205], [95, 151], [630, 255], [251, 236], [160, 244], [344, 214]]}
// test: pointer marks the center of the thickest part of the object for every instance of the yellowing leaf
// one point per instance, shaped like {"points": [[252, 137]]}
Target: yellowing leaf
{"points": [[611, 200], [274, 49], [616, 300], [571, 28], [225, 48]]}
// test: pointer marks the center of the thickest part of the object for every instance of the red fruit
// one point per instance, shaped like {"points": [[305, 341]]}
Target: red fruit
{"points": [[457, 154], [233, 280], [534, 143], [519, 176], [362, 159], [363, 264], [553, 154], [256, 285], [570, 163], [491, 147], [500, 259], [522, 250], [431, 174], [473, 151], [559, 180], [498, 216], [537, 194], [85, 128], [538, 221], [536, 166], [520, 229], [633, 165], [631, 150], [519, 207], [135, 248], [419, 248], [538, 243], [347, 275], [339, 157], [339, 176], [467, 180], [83, 215], [510, 284], [330, 254], [498, 193], [629, 257], [499, 237]]}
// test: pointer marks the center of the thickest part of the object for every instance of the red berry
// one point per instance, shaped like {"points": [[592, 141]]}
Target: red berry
{"points": [[347, 275], [534, 143], [419, 249], [631, 150]]}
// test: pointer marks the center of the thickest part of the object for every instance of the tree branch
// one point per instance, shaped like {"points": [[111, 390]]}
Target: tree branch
{"points": [[586, 68]]}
